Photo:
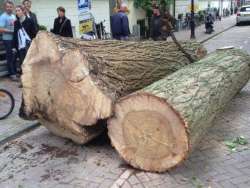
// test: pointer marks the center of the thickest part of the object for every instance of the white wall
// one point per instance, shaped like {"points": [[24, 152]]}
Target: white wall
{"points": [[134, 14], [203, 4], [100, 10], [181, 7], [46, 12]]}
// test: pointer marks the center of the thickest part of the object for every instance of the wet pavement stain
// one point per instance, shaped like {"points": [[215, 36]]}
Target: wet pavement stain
{"points": [[56, 152]]}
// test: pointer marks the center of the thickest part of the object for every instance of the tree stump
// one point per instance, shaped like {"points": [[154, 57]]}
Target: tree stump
{"points": [[156, 128]]}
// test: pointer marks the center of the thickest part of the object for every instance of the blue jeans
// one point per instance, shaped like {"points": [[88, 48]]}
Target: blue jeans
{"points": [[11, 63]]}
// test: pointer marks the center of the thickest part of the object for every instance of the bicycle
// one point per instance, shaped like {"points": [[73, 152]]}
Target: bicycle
{"points": [[101, 31], [7, 103]]}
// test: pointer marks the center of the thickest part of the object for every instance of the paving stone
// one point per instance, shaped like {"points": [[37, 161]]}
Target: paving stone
{"points": [[157, 182], [13, 124], [243, 164], [185, 186], [152, 176], [227, 184], [240, 179], [106, 183], [222, 177], [138, 186], [93, 185], [245, 171], [244, 185], [143, 176], [133, 180], [126, 185]]}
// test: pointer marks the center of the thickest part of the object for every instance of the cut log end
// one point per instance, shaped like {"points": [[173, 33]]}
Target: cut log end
{"points": [[148, 133], [55, 84]]}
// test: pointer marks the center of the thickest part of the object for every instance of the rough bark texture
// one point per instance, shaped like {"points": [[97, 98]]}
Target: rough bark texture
{"points": [[155, 129], [71, 83]]}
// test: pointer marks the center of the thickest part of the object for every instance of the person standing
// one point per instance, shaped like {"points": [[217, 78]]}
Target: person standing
{"points": [[7, 20], [29, 14], [120, 24], [155, 24], [24, 32], [167, 25], [62, 25]]}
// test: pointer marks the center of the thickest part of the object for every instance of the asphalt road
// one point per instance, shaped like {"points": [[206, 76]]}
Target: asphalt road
{"points": [[238, 36]]}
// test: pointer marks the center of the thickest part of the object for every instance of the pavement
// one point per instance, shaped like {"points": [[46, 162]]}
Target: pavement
{"points": [[13, 126], [219, 26], [238, 36], [39, 159]]}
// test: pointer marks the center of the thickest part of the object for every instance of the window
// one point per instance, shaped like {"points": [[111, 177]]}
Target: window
{"points": [[245, 9]]}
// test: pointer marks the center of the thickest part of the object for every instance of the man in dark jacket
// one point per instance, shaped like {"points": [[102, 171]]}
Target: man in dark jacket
{"points": [[120, 24], [62, 25], [155, 26], [29, 14]]}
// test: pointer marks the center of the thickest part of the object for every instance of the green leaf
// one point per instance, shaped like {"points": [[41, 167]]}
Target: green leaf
{"points": [[194, 178], [242, 140], [233, 149], [230, 145]]}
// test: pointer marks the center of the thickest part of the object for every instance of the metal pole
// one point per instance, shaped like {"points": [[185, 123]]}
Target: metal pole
{"points": [[174, 8], [192, 22]]}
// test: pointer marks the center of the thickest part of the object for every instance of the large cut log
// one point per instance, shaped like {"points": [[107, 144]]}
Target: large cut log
{"points": [[72, 83], [156, 128]]}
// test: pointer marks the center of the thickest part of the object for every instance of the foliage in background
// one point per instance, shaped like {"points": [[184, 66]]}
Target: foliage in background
{"points": [[42, 28], [147, 5]]}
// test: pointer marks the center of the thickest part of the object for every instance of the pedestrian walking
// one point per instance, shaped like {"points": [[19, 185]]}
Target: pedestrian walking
{"points": [[24, 32], [120, 24], [27, 5], [7, 20], [62, 25], [155, 24]]}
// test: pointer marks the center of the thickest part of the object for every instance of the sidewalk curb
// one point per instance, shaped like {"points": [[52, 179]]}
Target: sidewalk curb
{"points": [[32, 127], [216, 34]]}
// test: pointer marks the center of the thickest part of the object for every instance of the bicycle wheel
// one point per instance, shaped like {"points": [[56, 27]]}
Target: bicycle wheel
{"points": [[7, 103]]}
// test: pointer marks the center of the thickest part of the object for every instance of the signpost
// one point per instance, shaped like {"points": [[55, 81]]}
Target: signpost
{"points": [[192, 21], [86, 20], [85, 26], [83, 6]]}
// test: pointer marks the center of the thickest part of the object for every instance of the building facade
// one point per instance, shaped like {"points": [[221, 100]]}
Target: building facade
{"points": [[103, 9], [183, 6], [100, 9]]}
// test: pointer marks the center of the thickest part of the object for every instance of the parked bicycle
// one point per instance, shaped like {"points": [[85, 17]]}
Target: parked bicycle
{"points": [[7, 103], [101, 31]]}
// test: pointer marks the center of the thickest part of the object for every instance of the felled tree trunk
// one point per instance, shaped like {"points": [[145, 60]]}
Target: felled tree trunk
{"points": [[156, 128], [73, 84]]}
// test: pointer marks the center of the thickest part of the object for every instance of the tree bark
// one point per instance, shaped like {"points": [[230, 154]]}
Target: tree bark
{"points": [[72, 83], [156, 128]]}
